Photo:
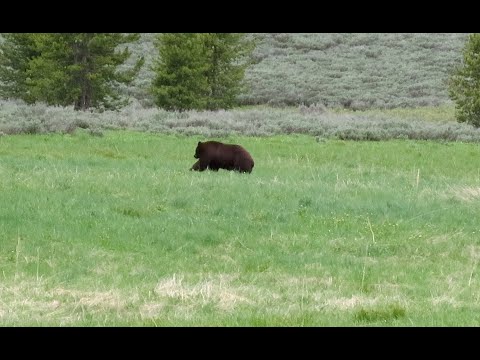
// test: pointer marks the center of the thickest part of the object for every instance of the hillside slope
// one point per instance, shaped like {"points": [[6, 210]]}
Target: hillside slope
{"points": [[352, 70]]}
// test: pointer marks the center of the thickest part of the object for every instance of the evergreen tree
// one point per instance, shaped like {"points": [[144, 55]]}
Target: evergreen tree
{"points": [[79, 69], [16, 51], [225, 72], [180, 82], [464, 86], [200, 71]]}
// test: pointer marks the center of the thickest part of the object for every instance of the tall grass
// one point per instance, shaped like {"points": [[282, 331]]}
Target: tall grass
{"points": [[115, 230]]}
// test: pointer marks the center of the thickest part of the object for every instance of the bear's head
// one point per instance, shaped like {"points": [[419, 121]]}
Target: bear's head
{"points": [[198, 150]]}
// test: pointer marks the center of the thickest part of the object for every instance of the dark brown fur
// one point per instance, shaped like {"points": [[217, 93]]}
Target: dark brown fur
{"points": [[215, 155]]}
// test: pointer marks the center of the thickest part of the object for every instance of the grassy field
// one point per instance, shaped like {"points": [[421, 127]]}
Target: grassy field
{"points": [[114, 230]]}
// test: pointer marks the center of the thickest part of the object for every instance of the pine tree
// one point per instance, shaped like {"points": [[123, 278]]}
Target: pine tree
{"points": [[180, 82], [16, 51], [464, 86], [226, 72], [200, 71], [79, 69]]}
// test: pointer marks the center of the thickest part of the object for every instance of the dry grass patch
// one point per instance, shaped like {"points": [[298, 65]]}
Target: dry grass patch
{"points": [[467, 193], [34, 301], [439, 239], [305, 281], [213, 289], [28, 300], [151, 310], [345, 303], [96, 299], [361, 301], [445, 300]]}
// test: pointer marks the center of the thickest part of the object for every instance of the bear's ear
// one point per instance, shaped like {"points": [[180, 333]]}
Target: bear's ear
{"points": [[199, 143]]}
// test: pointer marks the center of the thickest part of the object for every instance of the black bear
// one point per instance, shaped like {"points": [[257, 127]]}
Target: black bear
{"points": [[215, 155]]}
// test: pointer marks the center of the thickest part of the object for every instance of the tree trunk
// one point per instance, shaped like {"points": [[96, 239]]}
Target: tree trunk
{"points": [[84, 101], [81, 57]]}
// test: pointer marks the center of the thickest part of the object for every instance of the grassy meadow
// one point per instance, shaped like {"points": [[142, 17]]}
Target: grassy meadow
{"points": [[114, 230], [361, 210]]}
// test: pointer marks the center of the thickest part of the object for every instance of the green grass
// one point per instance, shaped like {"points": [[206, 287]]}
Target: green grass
{"points": [[442, 113], [116, 231]]}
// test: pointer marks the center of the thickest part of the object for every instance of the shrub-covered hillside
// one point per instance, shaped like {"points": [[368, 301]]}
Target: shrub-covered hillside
{"points": [[347, 70], [354, 70]]}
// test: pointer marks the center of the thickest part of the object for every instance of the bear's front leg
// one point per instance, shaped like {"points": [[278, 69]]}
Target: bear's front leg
{"points": [[200, 165], [196, 166]]}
